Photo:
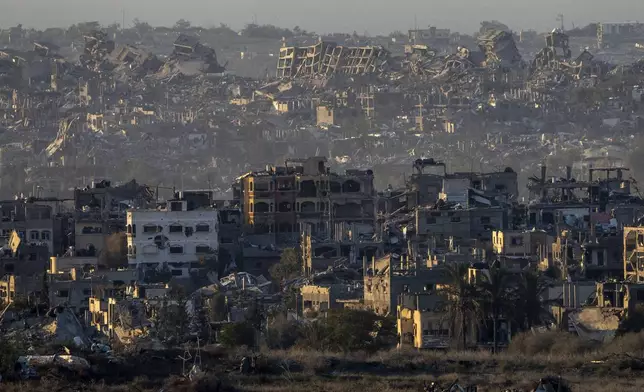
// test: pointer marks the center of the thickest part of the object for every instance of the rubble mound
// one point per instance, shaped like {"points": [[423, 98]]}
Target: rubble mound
{"points": [[596, 324], [66, 327]]}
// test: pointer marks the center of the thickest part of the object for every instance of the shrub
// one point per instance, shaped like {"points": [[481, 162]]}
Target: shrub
{"points": [[281, 333], [238, 334], [349, 331], [626, 343], [551, 342], [634, 322], [9, 353]]}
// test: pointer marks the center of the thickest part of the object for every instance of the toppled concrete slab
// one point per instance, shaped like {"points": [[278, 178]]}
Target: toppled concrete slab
{"points": [[596, 324], [66, 327]]}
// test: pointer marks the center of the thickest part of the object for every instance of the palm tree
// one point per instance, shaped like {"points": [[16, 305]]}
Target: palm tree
{"points": [[499, 295], [530, 303], [464, 298]]}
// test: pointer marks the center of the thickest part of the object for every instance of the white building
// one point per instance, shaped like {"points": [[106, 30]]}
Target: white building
{"points": [[176, 238]]}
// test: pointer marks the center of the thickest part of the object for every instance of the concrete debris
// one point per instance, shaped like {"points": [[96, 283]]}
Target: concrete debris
{"points": [[596, 324], [453, 387], [552, 384], [362, 163], [245, 281], [499, 49], [328, 58], [66, 326], [29, 365]]}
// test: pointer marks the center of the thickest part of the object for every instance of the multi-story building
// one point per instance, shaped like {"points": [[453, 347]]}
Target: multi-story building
{"points": [[386, 279], [278, 200], [602, 258], [177, 237], [100, 211], [34, 223], [350, 244], [523, 243], [322, 298], [423, 321], [75, 288], [431, 179], [634, 254], [462, 224]]}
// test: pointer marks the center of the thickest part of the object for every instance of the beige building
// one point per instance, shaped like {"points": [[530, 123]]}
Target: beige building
{"points": [[389, 277], [124, 319], [321, 298], [535, 243], [275, 201], [423, 321], [634, 254]]}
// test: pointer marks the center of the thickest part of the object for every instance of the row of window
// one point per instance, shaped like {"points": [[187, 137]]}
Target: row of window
{"points": [[65, 293], [307, 207], [37, 235], [34, 235], [173, 228], [308, 186], [176, 249], [455, 219]]}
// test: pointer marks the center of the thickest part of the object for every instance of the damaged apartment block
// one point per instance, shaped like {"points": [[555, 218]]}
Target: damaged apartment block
{"points": [[328, 58], [280, 199]]}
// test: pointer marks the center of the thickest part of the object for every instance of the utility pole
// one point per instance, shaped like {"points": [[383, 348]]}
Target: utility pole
{"points": [[420, 121], [560, 18]]}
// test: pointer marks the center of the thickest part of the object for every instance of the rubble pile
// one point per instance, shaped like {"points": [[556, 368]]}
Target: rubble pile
{"points": [[365, 101]]}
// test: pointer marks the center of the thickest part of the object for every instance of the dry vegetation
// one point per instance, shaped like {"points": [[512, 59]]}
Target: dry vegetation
{"points": [[600, 368]]}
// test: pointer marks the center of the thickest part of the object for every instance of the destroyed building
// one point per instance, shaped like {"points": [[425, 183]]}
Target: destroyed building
{"points": [[191, 58], [328, 58], [395, 115], [280, 199], [179, 237], [392, 275], [499, 48]]}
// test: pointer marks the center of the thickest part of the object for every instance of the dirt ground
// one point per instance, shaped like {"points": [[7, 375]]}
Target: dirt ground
{"points": [[312, 371]]}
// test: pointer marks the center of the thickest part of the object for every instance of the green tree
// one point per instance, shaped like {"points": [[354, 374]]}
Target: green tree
{"points": [[223, 29], [531, 309], [171, 318], [141, 27], [10, 350], [182, 25], [634, 321], [238, 334], [281, 333], [499, 296], [114, 255], [349, 330], [217, 308], [464, 299], [266, 31], [289, 267]]}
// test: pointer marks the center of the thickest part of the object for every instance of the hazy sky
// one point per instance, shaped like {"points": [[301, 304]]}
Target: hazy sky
{"points": [[374, 16]]}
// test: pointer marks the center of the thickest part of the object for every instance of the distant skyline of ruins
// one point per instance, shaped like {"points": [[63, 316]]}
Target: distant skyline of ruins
{"points": [[378, 17]]}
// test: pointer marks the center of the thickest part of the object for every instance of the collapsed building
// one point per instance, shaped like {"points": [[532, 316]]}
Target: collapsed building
{"points": [[190, 57], [281, 199], [499, 48], [328, 58], [97, 48]]}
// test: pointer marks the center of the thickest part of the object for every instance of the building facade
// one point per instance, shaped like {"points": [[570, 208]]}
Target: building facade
{"points": [[176, 238], [278, 200]]}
